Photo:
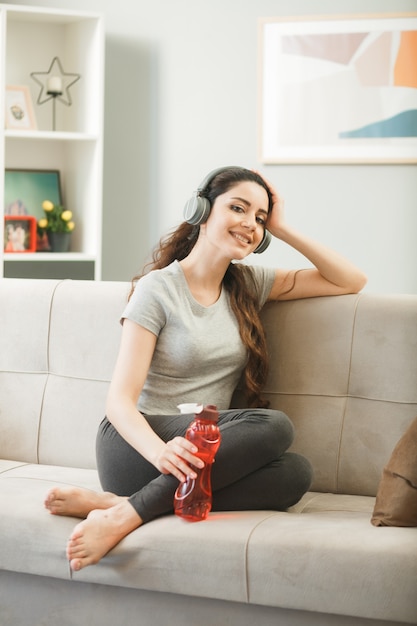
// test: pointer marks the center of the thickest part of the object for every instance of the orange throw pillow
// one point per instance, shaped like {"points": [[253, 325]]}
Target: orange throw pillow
{"points": [[396, 499]]}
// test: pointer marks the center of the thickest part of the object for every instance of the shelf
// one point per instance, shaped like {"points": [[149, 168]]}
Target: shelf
{"points": [[44, 14], [48, 256], [31, 38], [49, 135]]}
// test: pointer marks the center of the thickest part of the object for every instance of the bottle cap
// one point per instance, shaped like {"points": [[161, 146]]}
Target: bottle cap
{"points": [[209, 412], [190, 407]]}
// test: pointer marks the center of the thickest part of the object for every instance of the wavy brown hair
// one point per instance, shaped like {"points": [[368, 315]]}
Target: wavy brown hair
{"points": [[238, 281]]}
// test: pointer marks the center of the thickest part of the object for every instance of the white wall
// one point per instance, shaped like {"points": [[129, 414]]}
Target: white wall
{"points": [[181, 99]]}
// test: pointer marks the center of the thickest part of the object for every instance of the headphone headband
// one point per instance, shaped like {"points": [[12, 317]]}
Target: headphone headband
{"points": [[197, 209]]}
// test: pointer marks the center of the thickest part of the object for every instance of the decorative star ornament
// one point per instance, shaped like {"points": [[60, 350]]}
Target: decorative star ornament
{"points": [[55, 83]]}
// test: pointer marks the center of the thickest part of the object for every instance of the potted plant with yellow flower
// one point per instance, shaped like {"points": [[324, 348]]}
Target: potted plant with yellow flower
{"points": [[57, 225]]}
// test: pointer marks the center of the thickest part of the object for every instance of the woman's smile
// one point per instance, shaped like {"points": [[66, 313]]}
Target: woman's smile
{"points": [[242, 238]]}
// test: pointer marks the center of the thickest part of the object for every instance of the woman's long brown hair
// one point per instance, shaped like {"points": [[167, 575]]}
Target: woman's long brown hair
{"points": [[237, 281]]}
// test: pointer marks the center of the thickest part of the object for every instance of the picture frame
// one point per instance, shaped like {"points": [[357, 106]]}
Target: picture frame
{"points": [[19, 234], [24, 192], [26, 189], [19, 111], [338, 89]]}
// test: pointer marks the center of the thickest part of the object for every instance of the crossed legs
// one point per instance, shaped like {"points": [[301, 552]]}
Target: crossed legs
{"points": [[252, 471]]}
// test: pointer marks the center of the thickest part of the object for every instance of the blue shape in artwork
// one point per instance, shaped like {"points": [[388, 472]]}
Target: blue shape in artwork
{"points": [[402, 125]]}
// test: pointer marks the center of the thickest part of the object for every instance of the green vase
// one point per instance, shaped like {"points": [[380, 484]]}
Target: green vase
{"points": [[59, 242]]}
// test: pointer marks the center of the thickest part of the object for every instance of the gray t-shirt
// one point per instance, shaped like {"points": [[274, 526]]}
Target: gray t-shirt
{"points": [[199, 355]]}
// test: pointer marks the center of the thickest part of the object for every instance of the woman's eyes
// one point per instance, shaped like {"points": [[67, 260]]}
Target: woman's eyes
{"points": [[239, 209]]}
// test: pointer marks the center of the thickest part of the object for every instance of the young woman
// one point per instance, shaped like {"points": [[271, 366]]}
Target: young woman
{"points": [[190, 329]]}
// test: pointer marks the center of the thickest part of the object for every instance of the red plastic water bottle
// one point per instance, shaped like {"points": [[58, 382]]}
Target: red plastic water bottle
{"points": [[193, 498]]}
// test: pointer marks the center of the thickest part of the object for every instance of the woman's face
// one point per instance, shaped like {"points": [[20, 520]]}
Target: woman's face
{"points": [[237, 219]]}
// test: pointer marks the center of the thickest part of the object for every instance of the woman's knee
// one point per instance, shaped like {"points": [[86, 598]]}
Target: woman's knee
{"points": [[300, 473], [280, 429]]}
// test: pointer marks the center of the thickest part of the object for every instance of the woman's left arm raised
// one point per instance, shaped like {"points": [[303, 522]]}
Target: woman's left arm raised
{"points": [[332, 273]]}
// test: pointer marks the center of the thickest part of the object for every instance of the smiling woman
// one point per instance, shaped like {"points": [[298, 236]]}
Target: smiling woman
{"points": [[243, 216], [229, 180], [191, 331]]}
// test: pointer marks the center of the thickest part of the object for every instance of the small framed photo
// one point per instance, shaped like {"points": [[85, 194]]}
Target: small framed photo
{"points": [[19, 233], [19, 108]]}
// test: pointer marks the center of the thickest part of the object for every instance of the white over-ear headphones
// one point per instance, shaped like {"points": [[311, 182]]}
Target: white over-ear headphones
{"points": [[197, 209]]}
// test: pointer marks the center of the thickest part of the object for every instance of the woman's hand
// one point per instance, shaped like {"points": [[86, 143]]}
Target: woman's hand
{"points": [[176, 458], [276, 219]]}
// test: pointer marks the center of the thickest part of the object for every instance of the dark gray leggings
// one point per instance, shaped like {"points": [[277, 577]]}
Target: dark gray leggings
{"points": [[252, 470]]}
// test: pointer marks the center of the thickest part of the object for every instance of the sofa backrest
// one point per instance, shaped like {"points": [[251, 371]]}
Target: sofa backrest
{"points": [[58, 346], [344, 369]]}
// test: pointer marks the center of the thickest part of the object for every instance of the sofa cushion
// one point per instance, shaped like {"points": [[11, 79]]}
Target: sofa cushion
{"points": [[396, 499], [344, 368], [323, 555], [56, 361]]}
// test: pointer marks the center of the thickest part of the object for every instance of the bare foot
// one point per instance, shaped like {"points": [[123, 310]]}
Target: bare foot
{"points": [[99, 533], [77, 501]]}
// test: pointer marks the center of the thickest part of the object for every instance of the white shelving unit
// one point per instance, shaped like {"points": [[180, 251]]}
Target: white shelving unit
{"points": [[30, 37]]}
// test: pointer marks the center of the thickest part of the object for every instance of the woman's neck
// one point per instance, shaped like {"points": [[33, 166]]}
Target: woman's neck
{"points": [[204, 279]]}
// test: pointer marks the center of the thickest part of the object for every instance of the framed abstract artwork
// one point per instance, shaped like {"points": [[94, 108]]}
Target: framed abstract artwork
{"points": [[338, 89]]}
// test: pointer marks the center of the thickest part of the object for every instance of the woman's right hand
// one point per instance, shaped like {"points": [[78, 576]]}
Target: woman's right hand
{"points": [[176, 458]]}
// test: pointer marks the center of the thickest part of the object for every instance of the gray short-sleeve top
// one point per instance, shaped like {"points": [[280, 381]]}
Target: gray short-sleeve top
{"points": [[199, 356]]}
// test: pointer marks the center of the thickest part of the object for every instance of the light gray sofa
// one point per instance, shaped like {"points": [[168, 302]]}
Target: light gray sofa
{"points": [[344, 369]]}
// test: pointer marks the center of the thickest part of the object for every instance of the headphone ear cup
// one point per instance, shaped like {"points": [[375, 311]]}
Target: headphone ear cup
{"points": [[266, 240], [197, 210]]}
